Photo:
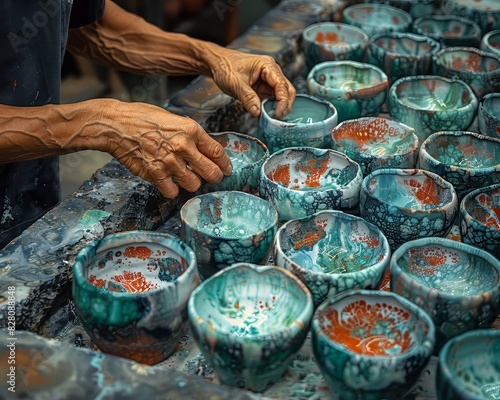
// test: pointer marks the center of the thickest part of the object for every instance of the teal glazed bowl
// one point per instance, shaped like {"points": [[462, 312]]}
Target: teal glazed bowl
{"points": [[371, 344], [332, 252], [458, 285], [479, 69], [468, 367], [333, 41], [430, 103], [131, 291], [247, 154], [301, 181], [486, 13], [491, 42], [480, 219], [227, 227], [376, 143], [449, 30], [488, 115], [356, 89], [465, 159], [408, 204], [249, 322], [309, 123], [401, 54]]}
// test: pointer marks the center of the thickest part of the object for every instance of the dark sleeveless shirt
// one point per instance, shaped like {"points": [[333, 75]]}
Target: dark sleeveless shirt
{"points": [[33, 35]]}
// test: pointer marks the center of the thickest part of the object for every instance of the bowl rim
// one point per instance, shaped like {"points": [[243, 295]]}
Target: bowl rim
{"points": [[466, 216], [414, 37], [391, 11], [476, 30], [336, 27], [486, 39], [108, 242], [245, 136], [301, 322], [386, 250], [486, 99], [449, 243], [427, 343]]}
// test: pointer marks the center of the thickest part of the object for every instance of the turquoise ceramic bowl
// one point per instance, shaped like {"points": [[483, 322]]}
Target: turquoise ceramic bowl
{"points": [[249, 322], [371, 344], [458, 285], [468, 367], [356, 89], [488, 115], [401, 54], [408, 204], [490, 42], [449, 30], [480, 219], [332, 252], [309, 123], [465, 159], [301, 181], [227, 227], [247, 155], [376, 143], [332, 41], [486, 13], [479, 69], [376, 18], [430, 103], [131, 291]]}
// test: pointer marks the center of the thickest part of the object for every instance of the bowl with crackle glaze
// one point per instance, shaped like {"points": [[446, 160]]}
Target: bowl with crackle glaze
{"points": [[408, 204], [467, 160], [332, 41], [488, 115], [249, 321], [485, 13], [300, 181], [449, 30], [131, 291], [431, 103], [371, 344], [376, 143], [468, 367], [227, 227], [356, 89], [457, 284], [332, 252], [478, 68], [308, 123], [491, 42], [480, 219]]}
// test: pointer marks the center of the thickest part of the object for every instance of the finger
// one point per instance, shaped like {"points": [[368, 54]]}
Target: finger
{"points": [[215, 152], [158, 176]]}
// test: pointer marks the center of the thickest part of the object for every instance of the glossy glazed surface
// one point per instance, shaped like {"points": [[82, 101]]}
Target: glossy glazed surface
{"points": [[491, 42], [488, 115]]}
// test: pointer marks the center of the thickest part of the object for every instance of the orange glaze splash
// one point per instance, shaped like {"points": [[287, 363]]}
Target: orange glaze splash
{"points": [[327, 38], [240, 147], [281, 175], [425, 192], [134, 282], [141, 252], [315, 172]]}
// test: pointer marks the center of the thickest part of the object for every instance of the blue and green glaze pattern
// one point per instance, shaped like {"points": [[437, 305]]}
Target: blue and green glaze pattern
{"points": [[488, 115], [332, 252], [249, 321]]}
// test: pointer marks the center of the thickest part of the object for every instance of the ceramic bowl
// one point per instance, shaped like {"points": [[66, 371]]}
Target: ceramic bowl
{"points": [[479, 69], [301, 181], [485, 13], [227, 227], [430, 103], [332, 41], [247, 155], [449, 30], [458, 285], [332, 252], [371, 344], [416, 8], [249, 321], [408, 204], [488, 115], [401, 54], [480, 219], [356, 89], [490, 42], [376, 18], [309, 123], [468, 367], [465, 159], [376, 143], [131, 291]]}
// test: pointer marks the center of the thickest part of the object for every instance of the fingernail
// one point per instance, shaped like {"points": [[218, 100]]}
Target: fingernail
{"points": [[254, 110]]}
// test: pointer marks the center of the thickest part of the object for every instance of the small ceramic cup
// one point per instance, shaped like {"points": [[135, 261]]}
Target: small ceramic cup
{"points": [[131, 291], [485, 13], [249, 322], [376, 143], [309, 123], [488, 115], [227, 227], [371, 344], [356, 89], [490, 42]]}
